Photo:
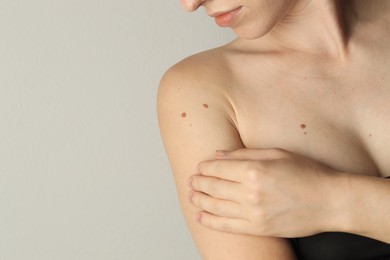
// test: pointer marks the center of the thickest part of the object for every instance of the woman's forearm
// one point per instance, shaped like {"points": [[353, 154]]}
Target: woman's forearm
{"points": [[367, 201]]}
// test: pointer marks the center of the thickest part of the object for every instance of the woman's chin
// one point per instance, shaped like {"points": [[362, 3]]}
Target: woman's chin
{"points": [[252, 32], [248, 35]]}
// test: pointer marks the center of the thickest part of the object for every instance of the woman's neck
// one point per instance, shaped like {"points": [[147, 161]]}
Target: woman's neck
{"points": [[316, 27]]}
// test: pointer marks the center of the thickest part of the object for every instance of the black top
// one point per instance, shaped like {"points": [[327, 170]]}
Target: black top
{"points": [[340, 246]]}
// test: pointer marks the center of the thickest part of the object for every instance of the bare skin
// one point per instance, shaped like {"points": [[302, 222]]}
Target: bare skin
{"points": [[313, 82]]}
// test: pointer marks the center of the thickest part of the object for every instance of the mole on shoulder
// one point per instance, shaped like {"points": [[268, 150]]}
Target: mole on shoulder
{"points": [[184, 114], [205, 106]]}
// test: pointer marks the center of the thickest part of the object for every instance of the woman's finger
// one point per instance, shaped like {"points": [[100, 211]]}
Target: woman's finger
{"points": [[240, 171], [224, 224], [217, 188], [230, 170], [218, 207]]}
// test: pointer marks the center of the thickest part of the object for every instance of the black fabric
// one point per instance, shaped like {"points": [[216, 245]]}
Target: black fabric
{"points": [[340, 246]]}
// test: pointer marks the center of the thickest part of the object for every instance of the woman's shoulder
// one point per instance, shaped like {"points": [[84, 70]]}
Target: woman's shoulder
{"points": [[198, 83], [217, 68], [209, 68], [205, 74]]}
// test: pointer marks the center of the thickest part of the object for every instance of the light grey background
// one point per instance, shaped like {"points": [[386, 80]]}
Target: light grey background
{"points": [[83, 173]]}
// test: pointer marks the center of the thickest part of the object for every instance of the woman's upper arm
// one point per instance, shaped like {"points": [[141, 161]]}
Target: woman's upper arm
{"points": [[195, 120]]}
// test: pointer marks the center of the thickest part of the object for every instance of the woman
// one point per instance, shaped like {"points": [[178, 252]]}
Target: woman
{"points": [[297, 110]]}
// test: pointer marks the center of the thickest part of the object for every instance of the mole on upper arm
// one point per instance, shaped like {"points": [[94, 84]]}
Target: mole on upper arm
{"points": [[184, 114], [303, 126]]}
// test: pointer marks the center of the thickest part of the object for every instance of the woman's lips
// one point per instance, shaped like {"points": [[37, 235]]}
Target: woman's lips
{"points": [[226, 19]]}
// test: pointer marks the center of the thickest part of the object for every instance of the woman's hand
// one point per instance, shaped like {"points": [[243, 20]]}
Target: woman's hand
{"points": [[267, 192]]}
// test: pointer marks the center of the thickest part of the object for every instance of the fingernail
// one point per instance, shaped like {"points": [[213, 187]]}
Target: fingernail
{"points": [[198, 217], [189, 182], [189, 196], [220, 153]]}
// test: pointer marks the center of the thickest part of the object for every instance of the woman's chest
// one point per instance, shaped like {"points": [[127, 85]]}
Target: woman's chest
{"points": [[342, 123]]}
